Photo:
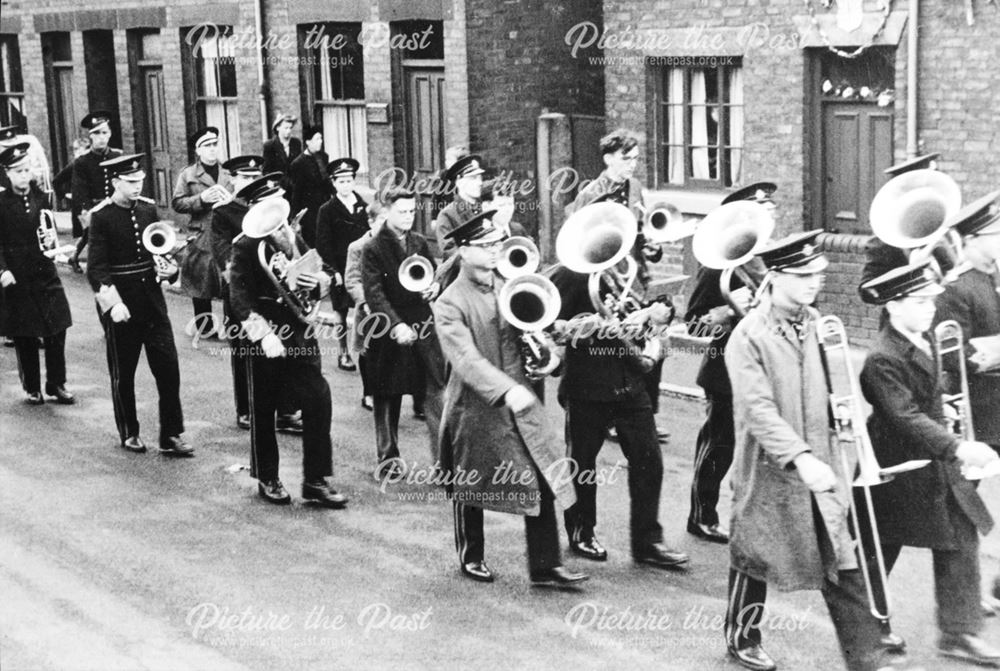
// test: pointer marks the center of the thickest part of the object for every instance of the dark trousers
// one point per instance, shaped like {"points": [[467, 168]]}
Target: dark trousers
{"points": [[652, 382], [956, 577], [82, 242], [124, 342], [712, 458], [28, 364], [202, 315], [237, 358], [858, 632], [586, 428], [365, 373], [541, 533], [302, 378], [386, 407], [386, 411]]}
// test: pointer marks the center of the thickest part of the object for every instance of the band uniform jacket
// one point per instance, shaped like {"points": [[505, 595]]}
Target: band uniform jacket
{"points": [[479, 434], [199, 276], [336, 228], [36, 305], [252, 291], [276, 159], [310, 188], [457, 213], [706, 296], [226, 224], [396, 369], [119, 259], [973, 302], [916, 508], [90, 183], [780, 410]]}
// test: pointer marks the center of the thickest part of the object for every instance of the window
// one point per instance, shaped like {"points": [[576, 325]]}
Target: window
{"points": [[332, 72], [700, 123], [210, 61], [11, 84]]}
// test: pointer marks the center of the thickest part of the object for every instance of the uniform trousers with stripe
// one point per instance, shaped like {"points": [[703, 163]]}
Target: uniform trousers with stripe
{"points": [[302, 378], [237, 357], [712, 459], [28, 363], [125, 341], [541, 532], [586, 427]]}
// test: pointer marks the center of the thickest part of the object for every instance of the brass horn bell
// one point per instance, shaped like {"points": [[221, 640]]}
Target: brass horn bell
{"points": [[416, 273], [266, 217], [912, 209], [518, 256], [664, 223], [596, 237], [731, 234]]}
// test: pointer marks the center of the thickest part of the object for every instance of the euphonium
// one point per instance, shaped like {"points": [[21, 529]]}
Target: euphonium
{"points": [[518, 256], [730, 236], [531, 303], [416, 273], [48, 236], [160, 239]]}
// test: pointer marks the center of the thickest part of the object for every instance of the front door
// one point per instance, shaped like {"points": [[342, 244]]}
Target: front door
{"points": [[424, 134], [150, 114]]}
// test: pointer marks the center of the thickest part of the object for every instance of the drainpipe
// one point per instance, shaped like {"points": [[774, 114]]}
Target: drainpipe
{"points": [[258, 19], [911, 79]]}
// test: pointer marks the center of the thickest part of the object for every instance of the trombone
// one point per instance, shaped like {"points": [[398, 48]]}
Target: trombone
{"points": [[949, 340]]}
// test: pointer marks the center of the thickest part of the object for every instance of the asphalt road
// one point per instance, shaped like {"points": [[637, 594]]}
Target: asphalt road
{"points": [[111, 560]]}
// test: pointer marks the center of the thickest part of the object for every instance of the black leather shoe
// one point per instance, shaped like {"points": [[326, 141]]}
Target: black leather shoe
{"points": [[588, 548], [289, 423], [34, 398], [753, 657], [243, 421], [175, 446], [74, 263], [892, 642], [557, 576], [659, 555], [322, 494], [59, 392], [970, 648], [366, 403], [709, 532], [134, 444], [345, 363], [273, 491], [478, 570]]}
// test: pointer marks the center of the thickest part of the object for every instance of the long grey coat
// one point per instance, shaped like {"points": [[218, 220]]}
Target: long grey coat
{"points": [[478, 432], [780, 411]]}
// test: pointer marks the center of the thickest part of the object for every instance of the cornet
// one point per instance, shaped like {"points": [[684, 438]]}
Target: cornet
{"points": [[160, 239], [416, 273], [48, 236], [663, 223], [518, 256], [531, 303]]}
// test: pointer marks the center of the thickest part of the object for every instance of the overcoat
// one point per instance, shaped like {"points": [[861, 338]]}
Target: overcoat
{"points": [[973, 302], [336, 228], [36, 305], [277, 160], [780, 410], [397, 369], [480, 437], [199, 276], [310, 188], [355, 288], [917, 508]]}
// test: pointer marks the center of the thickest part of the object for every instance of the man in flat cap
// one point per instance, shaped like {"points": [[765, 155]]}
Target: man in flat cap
{"points": [[133, 311], [91, 183], [936, 506]]}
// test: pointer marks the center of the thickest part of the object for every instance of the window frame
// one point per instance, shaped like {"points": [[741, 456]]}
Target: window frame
{"points": [[8, 92], [199, 99]]}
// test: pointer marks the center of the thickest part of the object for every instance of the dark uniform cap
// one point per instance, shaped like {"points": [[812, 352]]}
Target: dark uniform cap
{"points": [[13, 155], [760, 192], [249, 164], [281, 118], [95, 120], [343, 166], [978, 216], [478, 229], [203, 136], [126, 166], [465, 167], [8, 133], [797, 254], [911, 280], [918, 163], [261, 188]]}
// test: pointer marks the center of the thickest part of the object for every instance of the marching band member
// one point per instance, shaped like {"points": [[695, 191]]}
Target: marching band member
{"points": [[307, 176], [133, 310], [38, 163], [283, 356], [33, 304], [199, 187], [466, 173], [934, 506], [491, 418], [342, 219], [709, 313], [91, 183], [789, 523], [354, 285], [405, 356]]}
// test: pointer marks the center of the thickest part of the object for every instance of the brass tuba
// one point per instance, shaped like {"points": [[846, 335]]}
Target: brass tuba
{"points": [[729, 237], [416, 273], [160, 239], [518, 256], [531, 303]]}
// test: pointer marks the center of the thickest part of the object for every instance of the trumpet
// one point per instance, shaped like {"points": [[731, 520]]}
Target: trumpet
{"points": [[416, 273], [48, 236], [531, 303], [160, 240], [518, 256], [949, 340], [728, 238]]}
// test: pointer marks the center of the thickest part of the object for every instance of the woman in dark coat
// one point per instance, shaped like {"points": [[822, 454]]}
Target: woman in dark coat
{"points": [[34, 304], [310, 187], [341, 221]]}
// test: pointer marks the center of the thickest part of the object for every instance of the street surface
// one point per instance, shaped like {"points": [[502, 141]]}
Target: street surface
{"points": [[117, 561]]}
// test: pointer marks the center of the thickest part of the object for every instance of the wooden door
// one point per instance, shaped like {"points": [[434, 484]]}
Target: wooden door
{"points": [[158, 183], [424, 133]]}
